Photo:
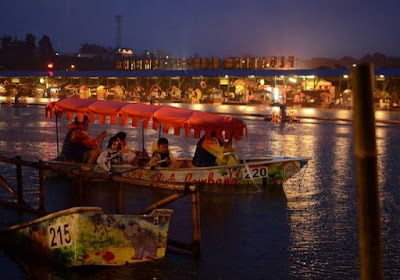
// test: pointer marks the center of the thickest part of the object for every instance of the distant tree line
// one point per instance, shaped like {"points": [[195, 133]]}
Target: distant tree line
{"points": [[27, 55]]}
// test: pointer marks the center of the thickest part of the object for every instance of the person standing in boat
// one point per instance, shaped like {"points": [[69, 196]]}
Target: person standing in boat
{"points": [[78, 145], [162, 156], [210, 151]]}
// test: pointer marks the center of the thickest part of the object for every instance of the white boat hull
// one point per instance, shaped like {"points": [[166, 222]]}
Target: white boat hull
{"points": [[254, 172]]}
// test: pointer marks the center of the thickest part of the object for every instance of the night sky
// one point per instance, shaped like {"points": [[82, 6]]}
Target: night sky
{"points": [[304, 29]]}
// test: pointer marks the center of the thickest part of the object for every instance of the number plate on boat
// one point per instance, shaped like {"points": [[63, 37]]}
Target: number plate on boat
{"points": [[255, 172], [59, 235]]}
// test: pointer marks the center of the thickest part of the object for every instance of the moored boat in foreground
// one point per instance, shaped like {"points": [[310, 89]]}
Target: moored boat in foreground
{"points": [[86, 236]]}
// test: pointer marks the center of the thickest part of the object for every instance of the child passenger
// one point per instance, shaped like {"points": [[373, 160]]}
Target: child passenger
{"points": [[128, 154], [162, 156], [111, 156]]}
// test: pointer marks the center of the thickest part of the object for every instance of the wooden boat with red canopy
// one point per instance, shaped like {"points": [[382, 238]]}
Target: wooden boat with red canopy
{"points": [[248, 172]]}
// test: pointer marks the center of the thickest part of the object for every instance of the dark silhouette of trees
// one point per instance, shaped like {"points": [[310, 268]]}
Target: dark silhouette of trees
{"points": [[94, 49], [30, 44], [46, 48], [6, 43], [23, 54], [29, 55]]}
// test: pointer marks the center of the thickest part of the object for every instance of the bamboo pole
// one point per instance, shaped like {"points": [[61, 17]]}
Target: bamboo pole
{"points": [[20, 188], [79, 172], [161, 203], [41, 190], [366, 166], [118, 178], [58, 149], [8, 187], [196, 218], [23, 207]]}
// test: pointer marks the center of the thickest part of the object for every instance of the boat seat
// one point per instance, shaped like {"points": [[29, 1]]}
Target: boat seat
{"points": [[184, 163]]}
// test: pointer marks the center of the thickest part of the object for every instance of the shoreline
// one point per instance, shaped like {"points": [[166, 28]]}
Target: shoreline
{"points": [[266, 115]]}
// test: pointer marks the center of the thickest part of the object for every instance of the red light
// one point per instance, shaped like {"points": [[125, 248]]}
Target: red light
{"points": [[50, 65]]}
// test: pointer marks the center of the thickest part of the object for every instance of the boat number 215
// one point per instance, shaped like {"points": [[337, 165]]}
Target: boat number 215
{"points": [[257, 172], [59, 235]]}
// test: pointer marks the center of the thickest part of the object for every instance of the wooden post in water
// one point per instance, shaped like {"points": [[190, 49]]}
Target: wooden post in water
{"points": [[20, 189], [196, 218], [366, 165], [41, 190]]}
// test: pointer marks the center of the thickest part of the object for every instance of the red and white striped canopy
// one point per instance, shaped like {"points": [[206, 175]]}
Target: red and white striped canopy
{"points": [[164, 115]]}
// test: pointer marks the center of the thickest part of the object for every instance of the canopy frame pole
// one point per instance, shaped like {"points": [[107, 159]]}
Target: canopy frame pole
{"points": [[58, 149], [143, 139]]}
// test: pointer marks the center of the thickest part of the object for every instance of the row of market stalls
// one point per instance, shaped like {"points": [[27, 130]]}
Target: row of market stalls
{"points": [[239, 91], [292, 90], [136, 92]]}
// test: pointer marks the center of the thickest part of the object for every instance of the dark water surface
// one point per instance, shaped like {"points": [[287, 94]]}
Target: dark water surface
{"points": [[305, 231]]}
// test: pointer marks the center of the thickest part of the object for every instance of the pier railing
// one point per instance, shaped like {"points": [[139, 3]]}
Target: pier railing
{"points": [[179, 191]]}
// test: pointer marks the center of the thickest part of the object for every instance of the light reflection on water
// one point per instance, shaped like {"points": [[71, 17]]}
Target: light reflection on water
{"points": [[308, 233]]}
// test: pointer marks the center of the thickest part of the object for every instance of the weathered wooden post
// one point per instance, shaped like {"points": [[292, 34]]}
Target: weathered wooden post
{"points": [[196, 219], [20, 188], [366, 165], [41, 190]]}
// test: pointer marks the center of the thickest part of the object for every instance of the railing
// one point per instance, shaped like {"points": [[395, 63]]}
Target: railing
{"points": [[181, 190]]}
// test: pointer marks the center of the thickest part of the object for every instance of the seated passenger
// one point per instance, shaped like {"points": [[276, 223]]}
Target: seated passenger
{"points": [[128, 154], [111, 156], [211, 152], [229, 156], [162, 156], [78, 145], [206, 150]]}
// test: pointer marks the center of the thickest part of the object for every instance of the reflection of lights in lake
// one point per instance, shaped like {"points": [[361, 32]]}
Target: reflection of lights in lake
{"points": [[382, 151], [382, 114], [341, 152], [199, 107], [250, 109], [309, 111], [223, 107]]}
